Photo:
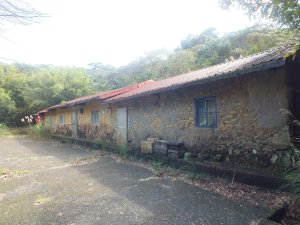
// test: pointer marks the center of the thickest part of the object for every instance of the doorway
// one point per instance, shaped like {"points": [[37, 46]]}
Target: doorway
{"points": [[74, 123], [121, 125]]}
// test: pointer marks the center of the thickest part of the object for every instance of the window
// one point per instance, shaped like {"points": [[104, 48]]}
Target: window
{"points": [[95, 118], [61, 120], [206, 112], [49, 121]]}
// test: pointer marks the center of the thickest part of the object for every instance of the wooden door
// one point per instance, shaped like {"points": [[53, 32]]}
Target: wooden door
{"points": [[121, 125]]}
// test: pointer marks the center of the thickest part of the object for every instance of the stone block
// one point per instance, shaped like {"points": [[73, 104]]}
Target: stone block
{"points": [[147, 147], [160, 147]]}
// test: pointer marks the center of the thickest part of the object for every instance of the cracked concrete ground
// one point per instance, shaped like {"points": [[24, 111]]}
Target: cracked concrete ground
{"points": [[103, 192]]}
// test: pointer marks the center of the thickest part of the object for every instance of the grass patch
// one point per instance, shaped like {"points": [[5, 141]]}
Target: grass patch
{"points": [[18, 131], [7, 173]]}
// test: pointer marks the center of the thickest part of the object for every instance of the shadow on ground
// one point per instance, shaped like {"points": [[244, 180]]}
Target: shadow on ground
{"points": [[103, 192]]}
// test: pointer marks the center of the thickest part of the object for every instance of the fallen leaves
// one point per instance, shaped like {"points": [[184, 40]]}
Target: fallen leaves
{"points": [[87, 160]]}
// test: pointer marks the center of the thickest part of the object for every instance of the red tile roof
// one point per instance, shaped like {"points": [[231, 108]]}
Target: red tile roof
{"points": [[98, 96], [264, 60]]}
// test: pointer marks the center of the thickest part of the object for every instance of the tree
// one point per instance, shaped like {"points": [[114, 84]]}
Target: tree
{"points": [[7, 105], [18, 12], [99, 73], [284, 13], [192, 40]]}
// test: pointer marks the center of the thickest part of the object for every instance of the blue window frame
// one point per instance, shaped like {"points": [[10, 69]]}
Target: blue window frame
{"points": [[95, 118], [206, 112]]}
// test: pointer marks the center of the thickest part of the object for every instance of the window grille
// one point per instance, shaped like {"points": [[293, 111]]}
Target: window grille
{"points": [[206, 112], [95, 118]]}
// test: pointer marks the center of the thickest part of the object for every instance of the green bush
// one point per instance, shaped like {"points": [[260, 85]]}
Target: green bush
{"points": [[3, 129]]}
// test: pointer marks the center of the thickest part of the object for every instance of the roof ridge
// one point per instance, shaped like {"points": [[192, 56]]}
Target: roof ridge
{"points": [[249, 56], [270, 58]]}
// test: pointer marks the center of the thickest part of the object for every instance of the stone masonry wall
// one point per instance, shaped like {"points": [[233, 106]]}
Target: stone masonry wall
{"points": [[251, 129]]}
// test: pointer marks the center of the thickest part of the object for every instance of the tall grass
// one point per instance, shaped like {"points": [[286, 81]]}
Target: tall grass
{"points": [[123, 151], [157, 165], [3, 129], [38, 131]]}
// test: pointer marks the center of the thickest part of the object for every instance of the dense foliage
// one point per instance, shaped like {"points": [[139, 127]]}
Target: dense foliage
{"points": [[283, 13], [25, 89]]}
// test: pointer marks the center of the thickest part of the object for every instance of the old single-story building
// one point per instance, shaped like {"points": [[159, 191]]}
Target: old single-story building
{"points": [[242, 110], [86, 117]]}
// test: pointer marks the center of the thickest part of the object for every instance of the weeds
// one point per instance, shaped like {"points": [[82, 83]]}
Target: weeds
{"points": [[292, 176], [122, 150], [193, 171], [3, 129], [293, 181], [99, 144], [157, 165], [38, 131]]}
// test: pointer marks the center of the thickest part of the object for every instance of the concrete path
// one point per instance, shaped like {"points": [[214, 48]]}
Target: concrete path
{"points": [[102, 192]]}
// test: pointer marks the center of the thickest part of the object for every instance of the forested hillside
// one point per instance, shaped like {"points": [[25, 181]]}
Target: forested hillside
{"points": [[25, 89]]}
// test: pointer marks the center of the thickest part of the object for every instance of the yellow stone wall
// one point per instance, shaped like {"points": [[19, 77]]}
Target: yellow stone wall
{"points": [[85, 127]]}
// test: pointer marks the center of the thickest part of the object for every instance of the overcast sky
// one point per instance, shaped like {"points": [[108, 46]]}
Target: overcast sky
{"points": [[79, 32]]}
